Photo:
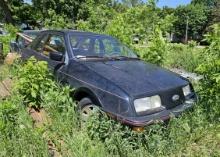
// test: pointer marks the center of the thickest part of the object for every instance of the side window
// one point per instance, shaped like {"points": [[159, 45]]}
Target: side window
{"points": [[40, 45], [85, 44], [84, 47], [55, 43]]}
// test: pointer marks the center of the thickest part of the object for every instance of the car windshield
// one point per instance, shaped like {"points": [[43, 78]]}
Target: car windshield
{"points": [[99, 46]]}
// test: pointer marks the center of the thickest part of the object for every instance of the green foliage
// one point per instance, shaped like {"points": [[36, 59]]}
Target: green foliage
{"points": [[197, 16], [55, 21], [194, 131], [155, 50], [158, 139], [132, 3], [99, 16], [17, 138], [210, 69], [4, 72], [209, 3], [186, 57], [11, 30], [135, 21], [5, 40], [34, 80], [118, 28]]}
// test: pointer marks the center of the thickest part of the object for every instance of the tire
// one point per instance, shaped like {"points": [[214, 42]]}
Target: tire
{"points": [[86, 108]]}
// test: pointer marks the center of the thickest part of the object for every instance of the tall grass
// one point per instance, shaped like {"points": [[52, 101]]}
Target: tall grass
{"points": [[183, 56]]}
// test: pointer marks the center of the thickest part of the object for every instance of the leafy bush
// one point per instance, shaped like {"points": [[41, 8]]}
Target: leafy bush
{"points": [[11, 30], [155, 50], [55, 21], [210, 69], [5, 40], [34, 80]]}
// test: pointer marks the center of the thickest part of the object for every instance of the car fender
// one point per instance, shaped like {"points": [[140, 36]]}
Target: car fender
{"points": [[82, 92]]}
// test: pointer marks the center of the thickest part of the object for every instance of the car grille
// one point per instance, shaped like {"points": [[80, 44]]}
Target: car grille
{"points": [[168, 98]]}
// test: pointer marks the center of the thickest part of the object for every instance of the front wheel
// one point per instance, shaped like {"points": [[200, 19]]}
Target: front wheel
{"points": [[87, 108]]}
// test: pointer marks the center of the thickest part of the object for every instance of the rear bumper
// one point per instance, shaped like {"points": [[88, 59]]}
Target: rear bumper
{"points": [[163, 115]]}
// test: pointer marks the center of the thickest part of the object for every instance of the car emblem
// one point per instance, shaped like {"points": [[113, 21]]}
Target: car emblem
{"points": [[175, 97]]}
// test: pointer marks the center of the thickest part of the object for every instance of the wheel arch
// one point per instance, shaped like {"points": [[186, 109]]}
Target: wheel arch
{"points": [[83, 92]]}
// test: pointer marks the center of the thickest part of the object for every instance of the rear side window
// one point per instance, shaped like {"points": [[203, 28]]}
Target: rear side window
{"points": [[41, 43], [55, 43]]}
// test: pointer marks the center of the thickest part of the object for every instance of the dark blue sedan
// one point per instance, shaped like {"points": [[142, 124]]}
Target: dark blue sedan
{"points": [[107, 75]]}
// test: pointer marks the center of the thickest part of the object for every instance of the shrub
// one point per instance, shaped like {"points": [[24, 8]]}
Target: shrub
{"points": [[55, 21], [155, 50], [11, 30], [5, 40], [210, 69], [34, 80]]}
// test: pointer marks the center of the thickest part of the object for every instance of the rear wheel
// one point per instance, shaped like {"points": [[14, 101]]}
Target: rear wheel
{"points": [[86, 108]]}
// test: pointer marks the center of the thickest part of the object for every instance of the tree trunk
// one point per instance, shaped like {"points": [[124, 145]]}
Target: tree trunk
{"points": [[7, 12]]}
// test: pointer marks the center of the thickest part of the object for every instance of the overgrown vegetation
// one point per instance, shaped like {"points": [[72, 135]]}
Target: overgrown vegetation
{"points": [[210, 85], [34, 82], [187, 57], [195, 133], [5, 39]]}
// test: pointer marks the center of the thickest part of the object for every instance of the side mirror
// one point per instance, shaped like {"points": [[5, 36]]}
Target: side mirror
{"points": [[56, 56]]}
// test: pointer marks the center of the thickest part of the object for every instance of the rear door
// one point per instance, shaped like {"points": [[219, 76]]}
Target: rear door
{"points": [[48, 43]]}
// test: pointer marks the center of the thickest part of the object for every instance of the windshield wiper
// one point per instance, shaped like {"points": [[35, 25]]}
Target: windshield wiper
{"points": [[91, 57], [124, 57]]}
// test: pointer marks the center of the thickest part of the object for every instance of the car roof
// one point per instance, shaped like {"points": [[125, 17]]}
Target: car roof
{"points": [[70, 31], [31, 31]]}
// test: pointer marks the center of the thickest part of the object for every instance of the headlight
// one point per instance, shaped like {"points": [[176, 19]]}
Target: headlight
{"points": [[147, 103], [186, 90]]}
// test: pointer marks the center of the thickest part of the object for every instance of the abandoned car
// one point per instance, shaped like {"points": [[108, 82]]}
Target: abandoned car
{"points": [[107, 75]]}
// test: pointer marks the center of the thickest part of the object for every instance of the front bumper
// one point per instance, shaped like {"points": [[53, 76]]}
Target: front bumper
{"points": [[163, 115]]}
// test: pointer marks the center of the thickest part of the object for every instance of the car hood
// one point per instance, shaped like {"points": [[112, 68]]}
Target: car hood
{"points": [[137, 77]]}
